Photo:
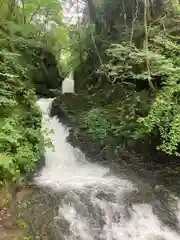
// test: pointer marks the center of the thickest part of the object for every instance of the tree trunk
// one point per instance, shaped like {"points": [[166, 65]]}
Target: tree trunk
{"points": [[93, 16], [11, 7], [146, 45], [14, 189], [24, 16]]}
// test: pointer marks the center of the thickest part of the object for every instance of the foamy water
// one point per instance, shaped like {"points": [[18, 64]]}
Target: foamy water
{"points": [[93, 206]]}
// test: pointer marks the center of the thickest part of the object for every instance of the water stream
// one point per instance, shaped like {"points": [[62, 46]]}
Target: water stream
{"points": [[96, 203]]}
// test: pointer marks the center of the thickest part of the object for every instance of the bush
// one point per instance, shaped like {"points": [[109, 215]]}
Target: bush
{"points": [[20, 119], [127, 66]]}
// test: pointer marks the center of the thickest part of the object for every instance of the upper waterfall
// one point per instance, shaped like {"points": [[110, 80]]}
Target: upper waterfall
{"points": [[68, 84]]}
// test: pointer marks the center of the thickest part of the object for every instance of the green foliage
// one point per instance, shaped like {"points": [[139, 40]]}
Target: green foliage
{"points": [[115, 122], [24, 42], [96, 123], [75, 48], [20, 120], [164, 117], [19, 146], [129, 63]]}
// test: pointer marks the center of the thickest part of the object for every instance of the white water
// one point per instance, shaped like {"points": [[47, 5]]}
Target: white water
{"points": [[93, 206], [68, 84]]}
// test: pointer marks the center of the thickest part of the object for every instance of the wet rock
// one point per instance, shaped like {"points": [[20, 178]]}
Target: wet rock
{"points": [[39, 165], [154, 237], [65, 108], [166, 214]]}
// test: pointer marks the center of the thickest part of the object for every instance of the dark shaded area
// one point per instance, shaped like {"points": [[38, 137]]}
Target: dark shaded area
{"points": [[59, 109], [47, 78], [39, 165]]}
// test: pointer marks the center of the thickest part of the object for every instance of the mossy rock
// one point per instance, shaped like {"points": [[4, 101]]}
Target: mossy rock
{"points": [[69, 106]]}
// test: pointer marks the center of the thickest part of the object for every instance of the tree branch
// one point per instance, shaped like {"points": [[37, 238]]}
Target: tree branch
{"points": [[24, 17], [134, 20], [34, 13], [146, 46]]}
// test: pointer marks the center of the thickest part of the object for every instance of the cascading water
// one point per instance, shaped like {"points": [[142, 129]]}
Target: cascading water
{"points": [[93, 204], [68, 84]]}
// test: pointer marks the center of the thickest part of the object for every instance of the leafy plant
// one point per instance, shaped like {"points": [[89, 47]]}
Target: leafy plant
{"points": [[21, 142], [96, 123], [164, 116], [128, 63]]}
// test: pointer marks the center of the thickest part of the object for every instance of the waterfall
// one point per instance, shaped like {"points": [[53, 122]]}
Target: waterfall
{"points": [[94, 202], [68, 84]]}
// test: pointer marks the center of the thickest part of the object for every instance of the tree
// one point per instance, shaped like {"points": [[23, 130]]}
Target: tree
{"points": [[134, 48]]}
